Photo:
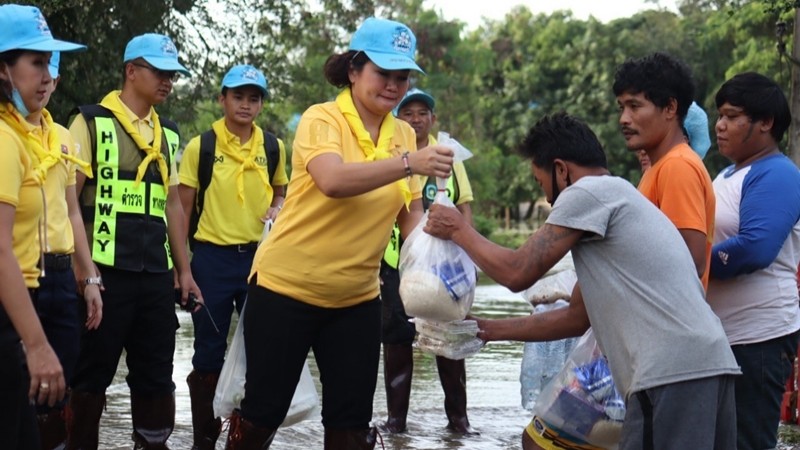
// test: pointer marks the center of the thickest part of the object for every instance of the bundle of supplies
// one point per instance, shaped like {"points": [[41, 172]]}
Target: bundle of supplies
{"points": [[582, 401], [454, 340], [556, 284]]}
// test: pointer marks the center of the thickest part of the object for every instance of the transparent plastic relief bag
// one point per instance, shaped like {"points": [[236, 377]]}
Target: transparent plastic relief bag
{"points": [[437, 277], [230, 388], [582, 400], [454, 340]]}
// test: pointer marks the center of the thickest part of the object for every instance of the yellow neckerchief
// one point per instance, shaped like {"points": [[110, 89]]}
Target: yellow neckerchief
{"points": [[345, 103], [54, 153], [246, 163], [113, 103]]}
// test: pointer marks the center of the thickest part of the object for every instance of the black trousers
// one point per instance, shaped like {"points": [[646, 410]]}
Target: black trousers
{"points": [[18, 428], [138, 316], [279, 331]]}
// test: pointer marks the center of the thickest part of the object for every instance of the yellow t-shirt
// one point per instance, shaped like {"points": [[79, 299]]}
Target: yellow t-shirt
{"points": [[59, 228], [226, 220], [327, 251], [80, 132], [20, 187]]}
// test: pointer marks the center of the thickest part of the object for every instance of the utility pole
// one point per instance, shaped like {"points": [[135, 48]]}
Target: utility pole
{"points": [[794, 97]]}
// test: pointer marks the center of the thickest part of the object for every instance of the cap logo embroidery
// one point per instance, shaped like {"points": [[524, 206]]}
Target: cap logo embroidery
{"points": [[41, 23], [168, 48], [250, 74], [401, 40]]}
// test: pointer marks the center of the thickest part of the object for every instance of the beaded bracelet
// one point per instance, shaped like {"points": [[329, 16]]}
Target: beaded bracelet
{"points": [[406, 166]]}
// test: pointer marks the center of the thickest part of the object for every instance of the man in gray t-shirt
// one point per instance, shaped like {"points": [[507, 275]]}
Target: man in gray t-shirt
{"points": [[667, 350]]}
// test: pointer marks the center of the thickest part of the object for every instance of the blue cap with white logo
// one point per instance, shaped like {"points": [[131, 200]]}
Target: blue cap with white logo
{"points": [[416, 95], [245, 75], [25, 28], [696, 126], [389, 45], [55, 60], [158, 50]]}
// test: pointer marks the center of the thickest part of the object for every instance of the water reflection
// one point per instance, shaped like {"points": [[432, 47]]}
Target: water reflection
{"points": [[493, 391]]}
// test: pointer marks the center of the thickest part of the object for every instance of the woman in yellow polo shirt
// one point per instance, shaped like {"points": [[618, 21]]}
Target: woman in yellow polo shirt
{"points": [[25, 46], [315, 283]]}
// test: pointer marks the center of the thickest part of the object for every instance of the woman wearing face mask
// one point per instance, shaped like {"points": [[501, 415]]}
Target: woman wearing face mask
{"points": [[316, 276], [25, 46]]}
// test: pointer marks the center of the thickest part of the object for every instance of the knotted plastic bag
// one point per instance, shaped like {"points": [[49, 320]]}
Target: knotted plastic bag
{"points": [[230, 388], [582, 400], [437, 277]]}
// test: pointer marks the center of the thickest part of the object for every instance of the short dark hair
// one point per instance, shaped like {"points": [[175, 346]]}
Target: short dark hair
{"points": [[8, 59], [564, 137], [659, 77], [337, 67], [760, 98]]}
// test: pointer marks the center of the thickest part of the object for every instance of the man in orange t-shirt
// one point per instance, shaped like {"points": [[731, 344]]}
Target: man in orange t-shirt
{"points": [[654, 94]]}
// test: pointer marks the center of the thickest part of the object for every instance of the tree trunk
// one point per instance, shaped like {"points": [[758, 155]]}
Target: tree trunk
{"points": [[794, 129]]}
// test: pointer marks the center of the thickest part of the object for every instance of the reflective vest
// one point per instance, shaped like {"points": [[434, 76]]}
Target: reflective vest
{"points": [[392, 253], [129, 227]]}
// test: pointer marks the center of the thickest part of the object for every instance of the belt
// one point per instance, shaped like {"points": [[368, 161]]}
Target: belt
{"points": [[250, 247], [57, 261]]}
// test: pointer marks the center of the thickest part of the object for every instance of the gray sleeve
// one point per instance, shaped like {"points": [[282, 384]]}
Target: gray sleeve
{"points": [[579, 209]]}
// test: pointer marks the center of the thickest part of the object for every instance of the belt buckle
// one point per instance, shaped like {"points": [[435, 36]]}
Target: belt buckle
{"points": [[242, 248]]}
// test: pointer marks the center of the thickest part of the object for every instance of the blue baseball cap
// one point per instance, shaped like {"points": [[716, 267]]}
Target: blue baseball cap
{"points": [[696, 126], [55, 60], [389, 45], [416, 95], [158, 50], [25, 28], [245, 75]]}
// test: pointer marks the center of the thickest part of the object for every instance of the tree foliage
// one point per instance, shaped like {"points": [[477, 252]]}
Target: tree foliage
{"points": [[491, 83]]}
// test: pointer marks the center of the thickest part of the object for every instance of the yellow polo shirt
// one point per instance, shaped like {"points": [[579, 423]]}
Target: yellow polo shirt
{"points": [[59, 177], [80, 132], [327, 251], [20, 187], [226, 220]]}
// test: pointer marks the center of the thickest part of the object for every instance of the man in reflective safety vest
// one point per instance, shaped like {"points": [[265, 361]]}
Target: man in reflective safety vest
{"points": [[134, 222], [417, 108]]}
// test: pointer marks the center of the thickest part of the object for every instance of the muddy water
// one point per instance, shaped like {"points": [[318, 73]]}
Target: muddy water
{"points": [[493, 390]]}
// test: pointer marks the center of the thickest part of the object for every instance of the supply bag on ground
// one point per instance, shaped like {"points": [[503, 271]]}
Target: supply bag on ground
{"points": [[437, 278], [582, 400], [230, 388]]}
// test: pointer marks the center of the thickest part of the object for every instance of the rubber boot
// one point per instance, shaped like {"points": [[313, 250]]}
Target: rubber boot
{"points": [[245, 435], [153, 420], [82, 416], [350, 439], [205, 427], [52, 430], [453, 376], [398, 366]]}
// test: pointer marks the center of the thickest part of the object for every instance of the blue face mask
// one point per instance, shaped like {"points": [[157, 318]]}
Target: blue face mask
{"points": [[16, 98]]}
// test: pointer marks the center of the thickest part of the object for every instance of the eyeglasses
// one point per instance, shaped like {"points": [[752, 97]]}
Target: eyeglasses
{"points": [[163, 74]]}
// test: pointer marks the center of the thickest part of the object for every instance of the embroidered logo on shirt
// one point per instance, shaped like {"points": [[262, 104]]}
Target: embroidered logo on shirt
{"points": [[64, 149], [723, 257]]}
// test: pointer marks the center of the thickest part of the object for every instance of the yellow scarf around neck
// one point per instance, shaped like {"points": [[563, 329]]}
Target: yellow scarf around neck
{"points": [[373, 152], [246, 163], [45, 157], [113, 103]]}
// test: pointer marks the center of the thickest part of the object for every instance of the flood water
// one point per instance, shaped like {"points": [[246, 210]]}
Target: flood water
{"points": [[493, 391]]}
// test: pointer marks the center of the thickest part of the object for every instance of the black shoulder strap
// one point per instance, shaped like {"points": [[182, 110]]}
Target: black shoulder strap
{"points": [[166, 123], [89, 112], [205, 169], [273, 151]]}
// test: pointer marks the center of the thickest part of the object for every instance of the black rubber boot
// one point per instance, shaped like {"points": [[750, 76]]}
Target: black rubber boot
{"points": [[453, 376], [350, 439], [82, 416], [205, 427], [398, 367], [244, 435]]}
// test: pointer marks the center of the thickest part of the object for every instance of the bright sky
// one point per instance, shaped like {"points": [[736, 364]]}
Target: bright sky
{"points": [[473, 11]]}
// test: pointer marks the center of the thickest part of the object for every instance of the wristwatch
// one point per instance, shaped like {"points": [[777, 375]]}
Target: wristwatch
{"points": [[93, 280]]}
